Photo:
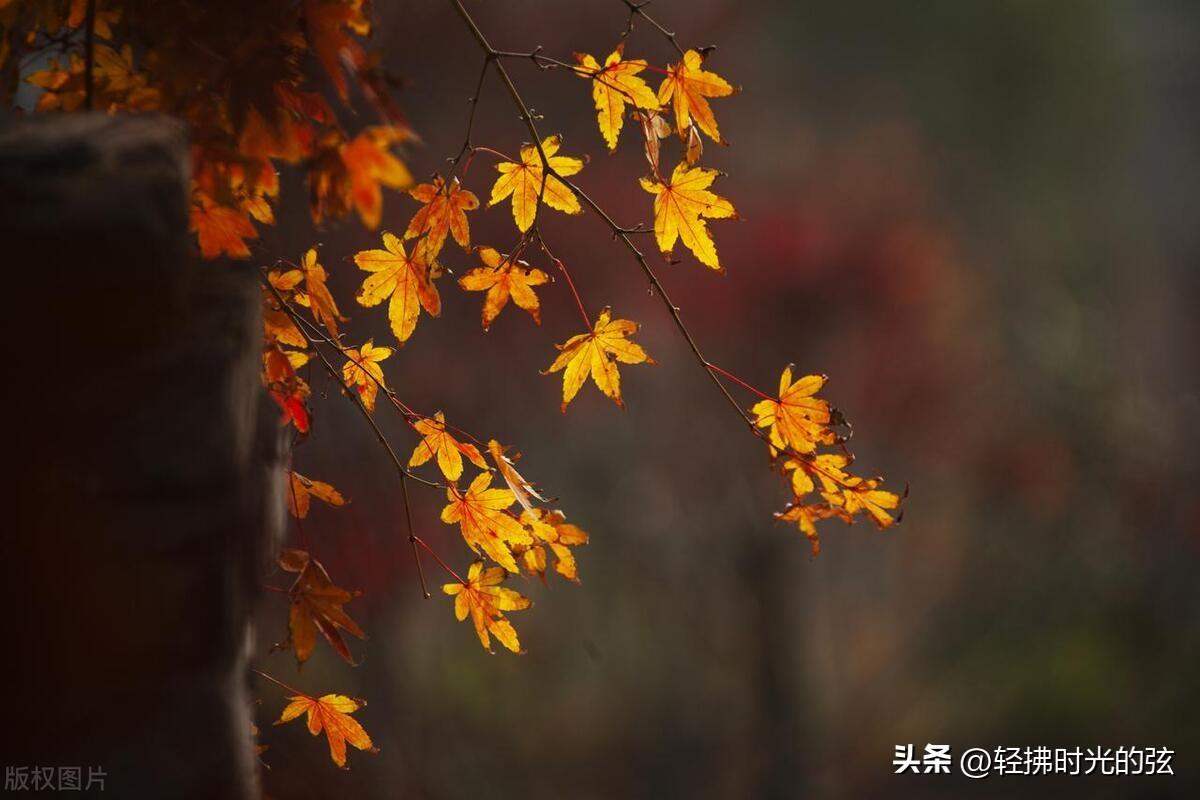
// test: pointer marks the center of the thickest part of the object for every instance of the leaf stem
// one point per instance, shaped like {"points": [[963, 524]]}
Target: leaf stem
{"points": [[280, 683]]}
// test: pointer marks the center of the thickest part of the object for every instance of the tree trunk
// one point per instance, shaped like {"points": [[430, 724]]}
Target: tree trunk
{"points": [[148, 485]]}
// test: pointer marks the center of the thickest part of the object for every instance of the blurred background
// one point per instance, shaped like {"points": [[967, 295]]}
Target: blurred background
{"points": [[980, 219]]}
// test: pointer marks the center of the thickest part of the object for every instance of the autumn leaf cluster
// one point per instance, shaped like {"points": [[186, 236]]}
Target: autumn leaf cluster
{"points": [[268, 86]]}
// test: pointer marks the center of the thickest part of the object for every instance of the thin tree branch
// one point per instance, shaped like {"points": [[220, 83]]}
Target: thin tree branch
{"points": [[403, 473]]}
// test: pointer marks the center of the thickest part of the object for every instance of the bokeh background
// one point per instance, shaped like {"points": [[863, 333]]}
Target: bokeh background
{"points": [[980, 219]]}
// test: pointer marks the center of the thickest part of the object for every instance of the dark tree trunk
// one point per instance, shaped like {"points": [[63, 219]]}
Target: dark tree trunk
{"points": [[147, 480]]}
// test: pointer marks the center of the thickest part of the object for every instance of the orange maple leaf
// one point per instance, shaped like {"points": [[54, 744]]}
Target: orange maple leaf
{"points": [[444, 211], [680, 208], [484, 599], [613, 86], [405, 279], [370, 164], [316, 294], [483, 518], [524, 182], [597, 352], [449, 451], [502, 278], [688, 86], [362, 372], [301, 490], [324, 22], [797, 419], [220, 229], [805, 517], [331, 713], [317, 606]]}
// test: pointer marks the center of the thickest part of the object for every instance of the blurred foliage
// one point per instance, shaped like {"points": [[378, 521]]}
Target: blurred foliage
{"points": [[1002, 198]]}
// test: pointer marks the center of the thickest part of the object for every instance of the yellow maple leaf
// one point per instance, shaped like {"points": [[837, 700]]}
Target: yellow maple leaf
{"points": [[797, 419], [502, 277], [687, 86], [597, 352], [316, 606], [866, 497], [362, 372], [613, 86], [316, 294], [449, 451], [404, 278], [444, 211], [551, 529], [301, 490], [483, 518], [484, 599], [524, 182], [681, 205], [331, 713]]}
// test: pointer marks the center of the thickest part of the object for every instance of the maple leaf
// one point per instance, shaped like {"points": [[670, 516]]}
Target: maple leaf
{"points": [[324, 21], [598, 352], [680, 208], [865, 496], [286, 388], [522, 489], [484, 599], [220, 229], [316, 294], [363, 373], [551, 529], [524, 182], [806, 516], [449, 451], [403, 278], [502, 278], [444, 211], [688, 86], [797, 419], [331, 713], [317, 606], [486, 525], [614, 85], [302, 489], [369, 164], [277, 325]]}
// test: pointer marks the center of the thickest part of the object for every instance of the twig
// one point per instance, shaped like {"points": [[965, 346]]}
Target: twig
{"points": [[404, 473], [638, 9]]}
